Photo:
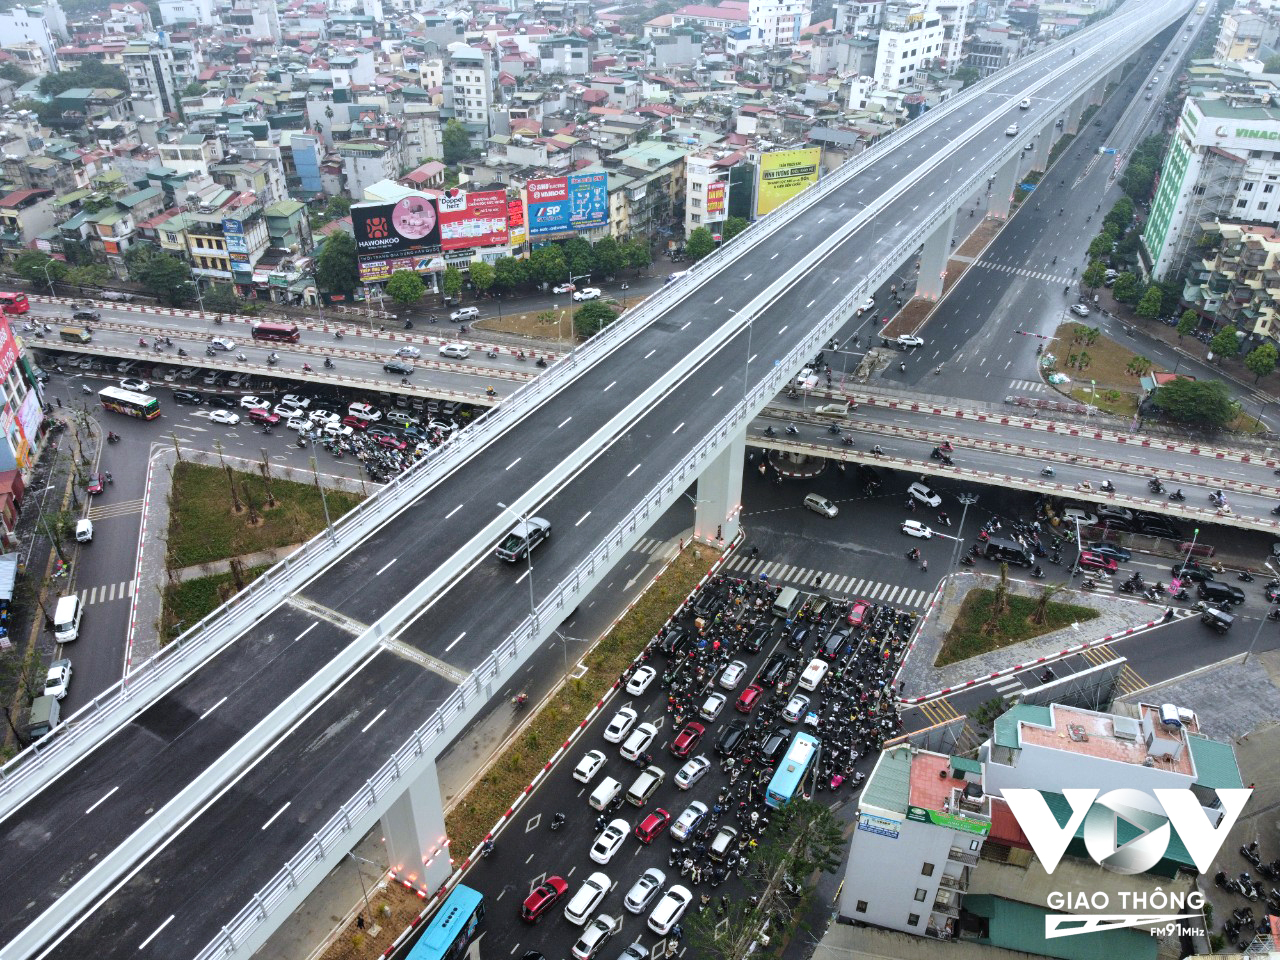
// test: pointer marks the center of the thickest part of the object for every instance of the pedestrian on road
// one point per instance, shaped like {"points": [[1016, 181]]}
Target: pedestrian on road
{"points": [[59, 399]]}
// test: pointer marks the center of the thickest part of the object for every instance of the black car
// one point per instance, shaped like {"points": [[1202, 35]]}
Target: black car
{"points": [[1215, 592], [1118, 554], [1115, 521], [187, 397], [377, 431], [226, 403], [772, 671], [755, 639], [674, 641], [798, 637], [834, 646], [775, 742], [705, 604], [91, 315], [1194, 574], [398, 367], [1159, 528], [731, 738]]}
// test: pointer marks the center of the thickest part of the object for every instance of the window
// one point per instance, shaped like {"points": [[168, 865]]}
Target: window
{"points": [[171, 237], [1248, 186], [695, 218], [861, 907], [926, 870], [921, 893], [1267, 187], [1262, 206], [1240, 204], [975, 845], [913, 920]]}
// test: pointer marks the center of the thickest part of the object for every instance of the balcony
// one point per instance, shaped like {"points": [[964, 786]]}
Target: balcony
{"points": [[946, 908], [956, 855]]}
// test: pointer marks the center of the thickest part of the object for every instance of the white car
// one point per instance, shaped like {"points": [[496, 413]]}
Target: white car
{"points": [[1079, 309], [587, 897], [134, 384], [867, 304], [224, 416], [1025, 104], [712, 706], [409, 353], [914, 528], [906, 341], [458, 351], [563, 288], [620, 725], [253, 403], [288, 410], [297, 423], [646, 888], [926, 496], [610, 841], [57, 679], [833, 409], [337, 429], [692, 772], [1011, 130], [597, 933], [222, 343], [821, 505], [640, 680], [732, 674], [587, 293], [796, 708], [687, 821], [588, 766], [321, 417], [293, 400], [670, 909], [639, 740]]}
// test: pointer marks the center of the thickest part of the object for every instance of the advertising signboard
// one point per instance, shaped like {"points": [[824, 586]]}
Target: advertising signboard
{"points": [[233, 231], [8, 348], [470, 220], [716, 200], [515, 222], [407, 227], [557, 205], [783, 174]]}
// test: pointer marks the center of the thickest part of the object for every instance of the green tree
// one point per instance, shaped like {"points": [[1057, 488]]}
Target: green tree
{"points": [[482, 275], [1261, 360], [699, 243], [1271, 65], [1094, 274], [1203, 403], [1225, 342], [337, 207], [547, 265], [1149, 305], [1170, 296], [405, 287], [451, 283], [90, 73], [220, 298], [638, 255], [194, 89], [610, 257], [1100, 246], [457, 145], [31, 267], [1120, 217], [967, 76], [734, 226], [167, 278], [11, 71], [1187, 323], [1125, 289], [510, 273], [592, 317], [89, 275], [579, 257], [1139, 179], [336, 267]]}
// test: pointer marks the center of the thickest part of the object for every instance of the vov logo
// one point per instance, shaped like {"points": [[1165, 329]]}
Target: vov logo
{"points": [[1101, 816]]}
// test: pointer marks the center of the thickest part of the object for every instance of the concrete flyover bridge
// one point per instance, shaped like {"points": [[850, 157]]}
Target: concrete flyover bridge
{"points": [[187, 811]]}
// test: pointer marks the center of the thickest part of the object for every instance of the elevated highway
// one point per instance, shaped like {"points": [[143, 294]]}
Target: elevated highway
{"points": [[186, 814]]}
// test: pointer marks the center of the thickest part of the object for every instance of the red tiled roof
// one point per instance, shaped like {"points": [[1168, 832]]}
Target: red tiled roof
{"points": [[726, 11], [18, 196]]}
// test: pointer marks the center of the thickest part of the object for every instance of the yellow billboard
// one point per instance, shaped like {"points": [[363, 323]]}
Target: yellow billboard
{"points": [[783, 174]]}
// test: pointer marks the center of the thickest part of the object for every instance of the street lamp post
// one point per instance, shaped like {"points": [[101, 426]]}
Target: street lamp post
{"points": [[966, 499], [328, 524], [47, 279]]}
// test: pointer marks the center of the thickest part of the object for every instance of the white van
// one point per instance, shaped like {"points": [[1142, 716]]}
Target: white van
{"points": [[638, 793], [84, 530], [604, 793], [66, 619], [788, 603], [814, 674], [587, 898]]}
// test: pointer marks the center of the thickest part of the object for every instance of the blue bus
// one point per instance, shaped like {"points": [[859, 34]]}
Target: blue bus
{"points": [[792, 770], [455, 927]]}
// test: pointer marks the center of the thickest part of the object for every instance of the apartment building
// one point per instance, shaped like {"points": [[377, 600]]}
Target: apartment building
{"points": [[153, 85], [45, 25]]}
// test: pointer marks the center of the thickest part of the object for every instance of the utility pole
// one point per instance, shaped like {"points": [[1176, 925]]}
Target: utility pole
{"points": [[966, 499]]}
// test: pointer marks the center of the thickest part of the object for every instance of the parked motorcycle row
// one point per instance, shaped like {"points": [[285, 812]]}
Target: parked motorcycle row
{"points": [[1241, 927], [386, 453]]}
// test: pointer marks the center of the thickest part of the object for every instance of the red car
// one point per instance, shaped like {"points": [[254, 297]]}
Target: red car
{"points": [[355, 423], [683, 745], [652, 825], [1096, 561], [543, 897], [263, 415], [858, 614], [395, 444], [749, 697], [95, 483]]}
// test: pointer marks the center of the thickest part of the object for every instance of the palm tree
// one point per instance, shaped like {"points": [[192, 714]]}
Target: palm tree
{"points": [[1041, 611]]}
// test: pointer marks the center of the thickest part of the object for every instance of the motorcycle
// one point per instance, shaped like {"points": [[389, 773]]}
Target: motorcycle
{"points": [[181, 352], [1177, 495], [272, 360], [113, 438], [1107, 487], [1244, 576], [1155, 486], [328, 364], [337, 334], [241, 356], [492, 355], [1046, 472], [847, 440], [967, 560], [791, 429], [520, 699], [557, 820], [540, 362]]}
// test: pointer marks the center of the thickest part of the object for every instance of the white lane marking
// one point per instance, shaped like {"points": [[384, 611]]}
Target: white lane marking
{"points": [[751, 359], [810, 303], [455, 642], [527, 571], [564, 421], [583, 517], [109, 793], [649, 354], [609, 387], [213, 708], [633, 469], [718, 299], [686, 324], [365, 728], [156, 931], [453, 511], [276, 814], [783, 330], [748, 276], [385, 566], [514, 462], [677, 429], [717, 389], [306, 631]]}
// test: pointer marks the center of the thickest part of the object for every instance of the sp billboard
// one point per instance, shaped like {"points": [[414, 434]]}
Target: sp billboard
{"points": [[560, 205]]}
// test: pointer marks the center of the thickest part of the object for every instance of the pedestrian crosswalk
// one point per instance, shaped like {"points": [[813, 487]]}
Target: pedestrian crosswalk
{"points": [[832, 584], [1027, 386], [106, 593], [1129, 681], [1023, 271], [122, 508], [938, 711]]}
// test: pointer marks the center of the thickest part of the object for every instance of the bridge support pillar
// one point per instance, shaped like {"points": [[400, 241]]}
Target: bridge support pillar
{"points": [[719, 508], [1074, 110], [1096, 92], [1001, 189], [413, 828], [933, 259], [1040, 155]]}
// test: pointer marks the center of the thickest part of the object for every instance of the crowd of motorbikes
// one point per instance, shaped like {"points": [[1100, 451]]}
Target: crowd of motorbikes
{"points": [[1241, 927], [384, 460]]}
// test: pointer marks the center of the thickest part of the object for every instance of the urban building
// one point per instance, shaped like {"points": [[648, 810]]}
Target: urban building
{"points": [[44, 25], [153, 85], [1237, 280]]}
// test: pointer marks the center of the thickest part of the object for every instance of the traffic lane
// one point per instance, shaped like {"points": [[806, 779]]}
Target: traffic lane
{"points": [[264, 817], [104, 567], [51, 841]]}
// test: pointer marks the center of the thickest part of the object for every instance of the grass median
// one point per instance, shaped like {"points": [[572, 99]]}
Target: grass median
{"points": [[975, 631], [190, 601]]}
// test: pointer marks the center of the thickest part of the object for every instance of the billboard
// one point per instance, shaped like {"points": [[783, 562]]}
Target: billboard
{"points": [[716, 200], [579, 201], [233, 231], [470, 220], [783, 174], [406, 228], [515, 222]]}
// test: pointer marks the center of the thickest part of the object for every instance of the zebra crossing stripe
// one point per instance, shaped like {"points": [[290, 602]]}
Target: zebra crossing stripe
{"points": [[838, 586], [803, 575]]}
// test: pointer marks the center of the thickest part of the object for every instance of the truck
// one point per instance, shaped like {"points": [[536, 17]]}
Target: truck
{"points": [[75, 334]]}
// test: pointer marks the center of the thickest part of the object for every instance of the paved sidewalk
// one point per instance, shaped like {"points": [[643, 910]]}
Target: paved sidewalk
{"points": [[269, 557], [919, 676]]}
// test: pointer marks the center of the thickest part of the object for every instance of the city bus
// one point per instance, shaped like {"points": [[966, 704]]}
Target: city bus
{"points": [[281, 332], [129, 403], [455, 928], [792, 770], [14, 302]]}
